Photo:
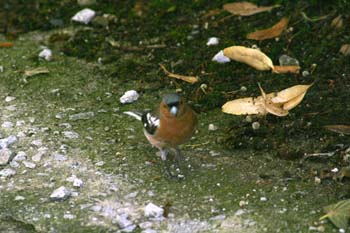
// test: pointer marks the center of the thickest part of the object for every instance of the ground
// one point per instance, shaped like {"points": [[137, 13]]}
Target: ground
{"points": [[236, 178]]}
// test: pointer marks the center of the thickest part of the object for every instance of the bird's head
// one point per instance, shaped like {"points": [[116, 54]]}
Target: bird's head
{"points": [[173, 103]]}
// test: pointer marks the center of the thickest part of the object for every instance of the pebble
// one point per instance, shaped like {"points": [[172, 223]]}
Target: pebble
{"points": [[60, 157], [70, 134], [212, 127], [84, 16], [286, 60], [129, 97], [213, 41], [220, 57], [256, 125], [7, 124], [19, 198], [305, 73], [11, 108], [6, 155], [153, 211], [6, 142], [46, 54], [9, 98], [76, 181], [37, 143], [14, 164], [7, 172], [122, 221], [263, 199], [149, 231], [145, 225], [60, 194], [81, 116], [28, 164], [69, 216], [21, 155]]}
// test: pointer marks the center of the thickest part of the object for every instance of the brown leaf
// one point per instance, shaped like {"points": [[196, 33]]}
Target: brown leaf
{"points": [[244, 106], [270, 107], [189, 79], [269, 33], [345, 49], [286, 69], [290, 93], [36, 71], [337, 22], [6, 44], [293, 102], [342, 129], [246, 8], [252, 57]]}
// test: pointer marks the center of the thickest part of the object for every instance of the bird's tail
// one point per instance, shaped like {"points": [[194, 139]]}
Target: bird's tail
{"points": [[135, 114]]}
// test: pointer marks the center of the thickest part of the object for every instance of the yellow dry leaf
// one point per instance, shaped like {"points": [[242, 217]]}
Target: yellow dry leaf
{"points": [[293, 102], [273, 108], [252, 57], [269, 33], [286, 69], [244, 106], [290, 93], [342, 129], [246, 8], [39, 70], [345, 49], [189, 79], [337, 22]]}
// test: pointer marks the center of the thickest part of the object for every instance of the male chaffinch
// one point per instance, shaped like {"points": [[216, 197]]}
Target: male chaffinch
{"points": [[172, 124]]}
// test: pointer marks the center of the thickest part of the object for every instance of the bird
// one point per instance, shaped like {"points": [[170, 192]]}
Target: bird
{"points": [[173, 123]]}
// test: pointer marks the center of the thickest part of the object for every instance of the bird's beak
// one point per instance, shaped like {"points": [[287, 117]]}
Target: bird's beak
{"points": [[174, 110]]}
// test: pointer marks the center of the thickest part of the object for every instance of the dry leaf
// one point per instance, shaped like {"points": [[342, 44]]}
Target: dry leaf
{"points": [[246, 8], [189, 79], [277, 104], [252, 57], [270, 107], [345, 49], [39, 70], [337, 22], [6, 44], [342, 129], [338, 213], [244, 106], [290, 93], [286, 69], [269, 33], [293, 102]]}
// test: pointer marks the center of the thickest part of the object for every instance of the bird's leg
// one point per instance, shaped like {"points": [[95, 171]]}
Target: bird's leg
{"points": [[178, 156], [163, 154]]}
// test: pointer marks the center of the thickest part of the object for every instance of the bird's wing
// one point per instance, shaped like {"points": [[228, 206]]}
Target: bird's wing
{"points": [[150, 122]]}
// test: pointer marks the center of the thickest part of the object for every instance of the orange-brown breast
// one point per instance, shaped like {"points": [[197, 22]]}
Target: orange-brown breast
{"points": [[178, 130]]}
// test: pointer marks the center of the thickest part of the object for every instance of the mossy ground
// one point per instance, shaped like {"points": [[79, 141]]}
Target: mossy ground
{"points": [[223, 167]]}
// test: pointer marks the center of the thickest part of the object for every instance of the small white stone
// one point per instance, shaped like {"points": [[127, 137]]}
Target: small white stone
{"points": [[78, 182], [6, 142], [19, 198], [212, 127], [263, 199], [14, 164], [70, 134], [221, 58], [84, 16], [7, 124], [61, 193], [28, 164], [46, 54], [7, 172], [6, 155], [129, 97], [69, 216], [21, 155], [256, 125], [335, 170], [240, 212], [123, 221], [59, 157], [100, 163], [9, 98], [213, 41], [317, 180], [20, 123], [153, 211], [37, 143]]}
